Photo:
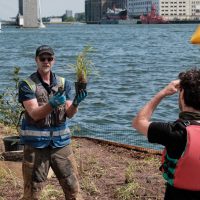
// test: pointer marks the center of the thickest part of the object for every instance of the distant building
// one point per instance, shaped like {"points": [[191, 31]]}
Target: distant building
{"points": [[55, 19], [95, 10], [169, 9], [180, 9], [79, 16], [28, 13], [21, 7], [139, 7], [68, 13], [130, 8]]}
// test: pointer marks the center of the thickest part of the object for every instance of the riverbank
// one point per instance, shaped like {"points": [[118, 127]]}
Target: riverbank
{"points": [[119, 22], [106, 172]]}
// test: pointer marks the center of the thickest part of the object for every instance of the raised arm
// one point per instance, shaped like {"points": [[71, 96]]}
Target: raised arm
{"points": [[141, 121]]}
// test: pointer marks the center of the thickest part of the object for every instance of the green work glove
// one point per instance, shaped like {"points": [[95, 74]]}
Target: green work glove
{"points": [[79, 97], [57, 100]]}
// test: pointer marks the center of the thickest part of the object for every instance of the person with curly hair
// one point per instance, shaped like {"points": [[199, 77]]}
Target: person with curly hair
{"points": [[181, 139]]}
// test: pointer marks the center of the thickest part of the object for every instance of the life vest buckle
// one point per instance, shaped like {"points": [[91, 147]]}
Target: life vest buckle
{"points": [[186, 123]]}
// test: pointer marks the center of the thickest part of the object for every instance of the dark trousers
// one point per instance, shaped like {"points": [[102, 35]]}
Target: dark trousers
{"points": [[36, 166]]}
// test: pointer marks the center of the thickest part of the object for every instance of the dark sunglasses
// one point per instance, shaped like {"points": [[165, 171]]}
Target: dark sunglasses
{"points": [[49, 59]]}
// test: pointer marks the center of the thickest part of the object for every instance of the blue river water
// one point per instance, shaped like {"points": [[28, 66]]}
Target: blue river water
{"points": [[133, 62]]}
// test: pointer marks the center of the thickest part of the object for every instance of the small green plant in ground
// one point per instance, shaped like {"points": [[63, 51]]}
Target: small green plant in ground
{"points": [[127, 192], [92, 160], [92, 168], [88, 185], [3, 175], [153, 161], [129, 173], [50, 192]]}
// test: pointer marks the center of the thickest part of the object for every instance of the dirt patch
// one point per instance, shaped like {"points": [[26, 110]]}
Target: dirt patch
{"points": [[106, 172]]}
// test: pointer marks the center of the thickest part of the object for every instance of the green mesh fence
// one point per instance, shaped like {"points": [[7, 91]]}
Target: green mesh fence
{"points": [[117, 135]]}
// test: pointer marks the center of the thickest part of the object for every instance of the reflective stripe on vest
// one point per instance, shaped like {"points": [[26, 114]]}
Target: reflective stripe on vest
{"points": [[44, 133], [184, 173], [32, 84]]}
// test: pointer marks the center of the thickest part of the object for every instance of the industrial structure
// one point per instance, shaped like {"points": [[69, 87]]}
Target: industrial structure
{"points": [[29, 15], [95, 10], [171, 10], [69, 13]]}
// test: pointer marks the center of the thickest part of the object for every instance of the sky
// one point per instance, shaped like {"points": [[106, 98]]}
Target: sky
{"points": [[9, 8]]}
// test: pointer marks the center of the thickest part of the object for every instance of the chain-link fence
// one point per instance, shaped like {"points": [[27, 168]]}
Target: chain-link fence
{"points": [[121, 137]]}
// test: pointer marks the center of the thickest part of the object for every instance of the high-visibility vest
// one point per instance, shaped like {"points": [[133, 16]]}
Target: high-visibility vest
{"points": [[51, 130]]}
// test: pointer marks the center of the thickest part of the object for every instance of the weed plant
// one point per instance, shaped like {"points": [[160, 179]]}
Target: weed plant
{"points": [[129, 173], [88, 185], [50, 192], [127, 192]]}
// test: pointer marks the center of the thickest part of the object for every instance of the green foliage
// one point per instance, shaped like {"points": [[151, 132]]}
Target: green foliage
{"points": [[50, 192], [10, 108], [127, 192], [67, 19], [83, 67], [89, 186], [129, 173], [80, 17]]}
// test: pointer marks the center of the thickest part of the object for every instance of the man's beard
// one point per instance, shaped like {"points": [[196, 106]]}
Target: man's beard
{"points": [[45, 70]]}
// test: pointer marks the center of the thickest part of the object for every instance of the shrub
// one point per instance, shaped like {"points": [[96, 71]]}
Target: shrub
{"points": [[10, 108]]}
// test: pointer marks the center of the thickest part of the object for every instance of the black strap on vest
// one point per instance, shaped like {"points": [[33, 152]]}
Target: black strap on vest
{"points": [[47, 87], [179, 124]]}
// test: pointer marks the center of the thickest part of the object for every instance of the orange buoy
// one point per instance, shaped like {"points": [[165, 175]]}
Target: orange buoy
{"points": [[195, 39]]}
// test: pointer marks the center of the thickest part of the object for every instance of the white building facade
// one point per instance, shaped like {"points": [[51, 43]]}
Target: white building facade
{"points": [[30, 13], [169, 9], [180, 9], [55, 19]]}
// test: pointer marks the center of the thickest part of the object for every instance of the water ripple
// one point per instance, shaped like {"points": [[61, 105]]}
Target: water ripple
{"points": [[134, 62]]}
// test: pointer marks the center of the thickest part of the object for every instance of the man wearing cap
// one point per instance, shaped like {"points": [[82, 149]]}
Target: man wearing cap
{"points": [[46, 99]]}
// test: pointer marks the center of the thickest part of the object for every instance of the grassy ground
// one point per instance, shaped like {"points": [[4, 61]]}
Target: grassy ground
{"points": [[106, 172]]}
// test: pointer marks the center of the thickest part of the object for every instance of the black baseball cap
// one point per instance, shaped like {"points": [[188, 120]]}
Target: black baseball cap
{"points": [[44, 49]]}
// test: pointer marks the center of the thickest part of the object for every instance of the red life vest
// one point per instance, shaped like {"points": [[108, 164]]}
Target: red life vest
{"points": [[184, 173]]}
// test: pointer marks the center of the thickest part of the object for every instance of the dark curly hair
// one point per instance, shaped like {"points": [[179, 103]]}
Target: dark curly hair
{"points": [[190, 83]]}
